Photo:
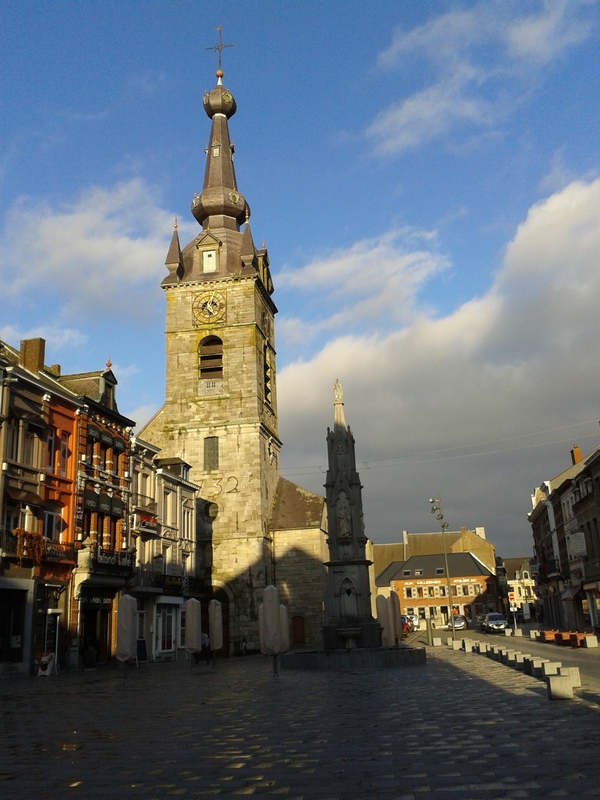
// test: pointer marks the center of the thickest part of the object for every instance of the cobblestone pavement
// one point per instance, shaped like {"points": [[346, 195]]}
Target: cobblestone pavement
{"points": [[463, 726]]}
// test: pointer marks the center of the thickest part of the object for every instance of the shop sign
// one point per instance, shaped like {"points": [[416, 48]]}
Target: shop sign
{"points": [[104, 504], [96, 598], [106, 438], [112, 562], [93, 432], [119, 444], [145, 523], [172, 582]]}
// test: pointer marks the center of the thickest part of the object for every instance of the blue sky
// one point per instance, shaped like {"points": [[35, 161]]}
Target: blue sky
{"points": [[424, 175]]}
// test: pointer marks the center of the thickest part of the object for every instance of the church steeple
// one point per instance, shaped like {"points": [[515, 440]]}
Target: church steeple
{"points": [[220, 205]]}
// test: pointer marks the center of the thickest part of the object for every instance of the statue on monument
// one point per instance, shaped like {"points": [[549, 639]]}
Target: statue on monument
{"points": [[338, 392]]}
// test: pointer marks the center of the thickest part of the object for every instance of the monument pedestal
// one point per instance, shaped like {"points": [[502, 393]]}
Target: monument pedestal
{"points": [[351, 635]]}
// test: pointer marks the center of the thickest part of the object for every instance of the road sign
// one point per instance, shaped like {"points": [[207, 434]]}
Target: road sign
{"points": [[511, 597]]}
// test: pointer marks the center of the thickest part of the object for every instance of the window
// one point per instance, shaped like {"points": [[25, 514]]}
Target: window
{"points": [[439, 571], [268, 373], [209, 261], [408, 592], [431, 591], [418, 572], [211, 358], [63, 458], [454, 591], [29, 447], [12, 440], [442, 591], [420, 592], [211, 453], [406, 573], [466, 590], [49, 457], [52, 525]]}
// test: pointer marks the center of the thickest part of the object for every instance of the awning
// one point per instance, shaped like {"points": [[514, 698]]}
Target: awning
{"points": [[592, 587], [117, 508], [93, 432], [23, 496], [106, 439], [119, 444], [571, 592], [104, 504], [90, 500]]}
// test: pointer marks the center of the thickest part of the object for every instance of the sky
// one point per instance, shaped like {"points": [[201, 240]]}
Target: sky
{"points": [[425, 177]]}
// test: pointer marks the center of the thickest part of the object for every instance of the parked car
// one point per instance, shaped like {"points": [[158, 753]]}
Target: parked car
{"points": [[493, 623], [407, 624], [415, 621], [460, 623]]}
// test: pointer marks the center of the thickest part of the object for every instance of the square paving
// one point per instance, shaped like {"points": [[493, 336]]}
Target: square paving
{"points": [[463, 726]]}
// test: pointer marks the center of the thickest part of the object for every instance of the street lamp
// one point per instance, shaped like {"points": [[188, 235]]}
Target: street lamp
{"points": [[436, 508]]}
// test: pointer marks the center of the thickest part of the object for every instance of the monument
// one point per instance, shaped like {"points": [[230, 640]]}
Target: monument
{"points": [[348, 620]]}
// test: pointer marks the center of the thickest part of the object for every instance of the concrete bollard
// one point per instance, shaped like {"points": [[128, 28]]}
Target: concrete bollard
{"points": [[590, 641], [511, 658], [532, 663], [482, 647], [559, 687], [573, 673], [533, 634], [457, 644], [537, 670], [500, 653], [550, 668], [467, 645], [518, 632], [449, 641], [505, 655], [520, 660], [508, 632], [437, 642]]}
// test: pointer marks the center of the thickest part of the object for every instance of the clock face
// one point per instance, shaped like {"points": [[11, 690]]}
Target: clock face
{"points": [[208, 307]]}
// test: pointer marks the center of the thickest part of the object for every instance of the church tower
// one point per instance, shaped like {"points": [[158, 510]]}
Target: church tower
{"points": [[220, 412]]}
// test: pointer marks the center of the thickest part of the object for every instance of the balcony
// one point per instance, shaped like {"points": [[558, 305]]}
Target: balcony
{"points": [[144, 503], [50, 551], [170, 584]]}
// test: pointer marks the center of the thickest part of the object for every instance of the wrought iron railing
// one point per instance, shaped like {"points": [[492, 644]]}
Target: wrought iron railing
{"points": [[144, 502]]}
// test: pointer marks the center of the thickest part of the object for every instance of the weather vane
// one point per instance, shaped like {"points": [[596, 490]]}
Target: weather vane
{"points": [[219, 47]]}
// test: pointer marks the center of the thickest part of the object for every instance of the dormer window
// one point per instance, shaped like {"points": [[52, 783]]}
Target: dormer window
{"points": [[209, 261]]}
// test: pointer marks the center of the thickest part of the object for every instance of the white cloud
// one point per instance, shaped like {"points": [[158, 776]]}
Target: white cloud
{"points": [[102, 255], [368, 284], [482, 61], [500, 366], [56, 338]]}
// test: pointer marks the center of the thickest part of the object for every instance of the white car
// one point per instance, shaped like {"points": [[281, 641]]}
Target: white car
{"points": [[415, 621]]}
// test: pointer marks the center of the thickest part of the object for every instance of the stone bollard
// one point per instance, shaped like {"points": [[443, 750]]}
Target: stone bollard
{"points": [[508, 632], [559, 687], [449, 641], [505, 655], [518, 632], [467, 645], [550, 668], [457, 644], [573, 673], [537, 670], [436, 642], [532, 663], [590, 641], [511, 658], [534, 634], [482, 647], [500, 653], [520, 660]]}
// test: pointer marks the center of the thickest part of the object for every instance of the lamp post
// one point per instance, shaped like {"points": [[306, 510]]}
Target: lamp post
{"points": [[436, 508]]}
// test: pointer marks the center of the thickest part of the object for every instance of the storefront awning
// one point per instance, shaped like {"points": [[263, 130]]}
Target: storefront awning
{"points": [[23, 496], [571, 592], [90, 500]]}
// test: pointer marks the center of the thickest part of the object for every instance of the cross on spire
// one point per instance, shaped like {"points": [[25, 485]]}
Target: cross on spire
{"points": [[219, 47]]}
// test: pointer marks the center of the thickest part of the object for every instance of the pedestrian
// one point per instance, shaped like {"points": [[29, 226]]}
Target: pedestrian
{"points": [[205, 646]]}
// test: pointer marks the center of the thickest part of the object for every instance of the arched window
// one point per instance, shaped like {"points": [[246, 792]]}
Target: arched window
{"points": [[211, 358]]}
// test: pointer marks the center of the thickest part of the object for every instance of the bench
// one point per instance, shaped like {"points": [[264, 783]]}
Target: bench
{"points": [[548, 636]]}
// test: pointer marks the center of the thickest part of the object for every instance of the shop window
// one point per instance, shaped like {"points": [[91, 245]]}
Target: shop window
{"points": [[408, 592], [211, 453], [420, 591], [454, 591], [431, 591], [466, 590], [442, 591]]}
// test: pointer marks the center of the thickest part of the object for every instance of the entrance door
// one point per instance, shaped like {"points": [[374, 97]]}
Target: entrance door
{"points": [[12, 621], [166, 616]]}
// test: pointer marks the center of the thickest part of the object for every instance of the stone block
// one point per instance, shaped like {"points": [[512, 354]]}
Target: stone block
{"points": [[590, 641], [534, 634], [520, 660], [511, 657], [500, 651], [456, 644], [505, 655], [550, 668], [518, 632], [559, 687], [449, 641], [437, 642], [508, 632], [537, 669], [573, 673], [467, 645], [482, 647]]}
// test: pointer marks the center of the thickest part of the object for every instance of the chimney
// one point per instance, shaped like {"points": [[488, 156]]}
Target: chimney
{"points": [[575, 454], [32, 354]]}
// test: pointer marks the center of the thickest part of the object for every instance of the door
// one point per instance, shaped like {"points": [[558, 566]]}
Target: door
{"points": [[165, 628]]}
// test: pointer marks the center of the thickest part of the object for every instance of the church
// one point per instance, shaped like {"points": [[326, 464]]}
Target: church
{"points": [[253, 527]]}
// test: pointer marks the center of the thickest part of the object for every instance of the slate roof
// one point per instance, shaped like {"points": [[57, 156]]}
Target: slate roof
{"points": [[460, 565], [296, 508]]}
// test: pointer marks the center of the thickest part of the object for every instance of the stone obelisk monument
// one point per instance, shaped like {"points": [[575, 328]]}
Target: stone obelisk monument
{"points": [[348, 619]]}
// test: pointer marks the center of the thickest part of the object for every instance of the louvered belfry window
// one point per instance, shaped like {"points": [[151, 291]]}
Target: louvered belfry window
{"points": [[211, 358]]}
